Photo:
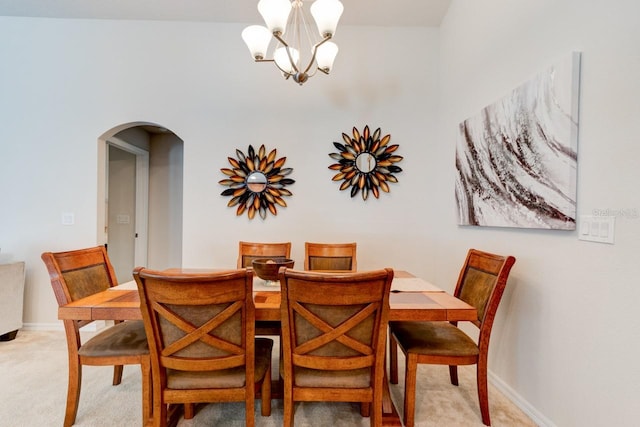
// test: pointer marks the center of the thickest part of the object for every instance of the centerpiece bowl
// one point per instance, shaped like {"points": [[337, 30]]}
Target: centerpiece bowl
{"points": [[267, 268]]}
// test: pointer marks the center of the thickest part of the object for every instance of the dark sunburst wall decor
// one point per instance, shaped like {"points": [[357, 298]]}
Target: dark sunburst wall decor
{"points": [[365, 162], [257, 182]]}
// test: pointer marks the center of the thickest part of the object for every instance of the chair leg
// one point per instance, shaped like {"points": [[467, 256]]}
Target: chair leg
{"points": [[393, 360], [265, 393], [117, 374], [189, 411], [280, 354], [410, 389], [483, 390], [73, 392], [288, 404], [365, 409], [453, 373], [160, 414], [376, 410], [147, 388], [250, 403]]}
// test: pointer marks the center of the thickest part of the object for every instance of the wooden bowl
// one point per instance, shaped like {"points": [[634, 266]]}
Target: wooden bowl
{"points": [[267, 268]]}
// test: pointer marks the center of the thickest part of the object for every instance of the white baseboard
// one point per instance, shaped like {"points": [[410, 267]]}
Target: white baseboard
{"points": [[520, 402], [42, 326], [58, 326]]}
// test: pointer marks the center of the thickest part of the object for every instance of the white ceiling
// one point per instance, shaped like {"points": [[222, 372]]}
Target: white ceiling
{"points": [[356, 12]]}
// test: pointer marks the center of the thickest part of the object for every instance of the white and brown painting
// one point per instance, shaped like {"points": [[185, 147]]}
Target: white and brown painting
{"points": [[516, 161]]}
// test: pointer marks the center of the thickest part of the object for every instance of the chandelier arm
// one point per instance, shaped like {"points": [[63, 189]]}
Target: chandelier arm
{"points": [[293, 64], [315, 50], [286, 74], [286, 46], [313, 73]]}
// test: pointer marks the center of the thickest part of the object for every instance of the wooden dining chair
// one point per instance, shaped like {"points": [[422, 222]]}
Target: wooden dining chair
{"points": [[481, 283], [201, 339], [330, 256], [334, 332], [77, 274], [247, 252]]}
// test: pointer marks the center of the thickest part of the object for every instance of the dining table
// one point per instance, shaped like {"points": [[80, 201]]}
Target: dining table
{"points": [[411, 298]]}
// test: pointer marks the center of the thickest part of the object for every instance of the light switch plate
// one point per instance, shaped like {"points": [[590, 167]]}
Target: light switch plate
{"points": [[68, 218], [122, 219], [599, 229]]}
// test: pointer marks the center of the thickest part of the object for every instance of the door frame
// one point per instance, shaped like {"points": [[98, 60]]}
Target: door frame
{"points": [[142, 197]]}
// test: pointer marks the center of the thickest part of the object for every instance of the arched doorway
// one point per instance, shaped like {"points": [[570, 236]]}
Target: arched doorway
{"points": [[140, 197]]}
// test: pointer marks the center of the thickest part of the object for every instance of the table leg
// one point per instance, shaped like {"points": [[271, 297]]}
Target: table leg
{"points": [[390, 415]]}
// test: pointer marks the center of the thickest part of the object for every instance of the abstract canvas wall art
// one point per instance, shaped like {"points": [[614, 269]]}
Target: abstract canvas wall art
{"points": [[516, 161]]}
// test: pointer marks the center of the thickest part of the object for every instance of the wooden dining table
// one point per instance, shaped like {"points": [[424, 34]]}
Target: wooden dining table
{"points": [[411, 298]]}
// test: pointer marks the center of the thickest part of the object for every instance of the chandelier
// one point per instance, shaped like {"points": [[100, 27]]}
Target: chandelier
{"points": [[303, 54]]}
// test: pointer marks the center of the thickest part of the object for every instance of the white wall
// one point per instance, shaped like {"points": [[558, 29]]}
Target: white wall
{"points": [[165, 201], [567, 338], [64, 83]]}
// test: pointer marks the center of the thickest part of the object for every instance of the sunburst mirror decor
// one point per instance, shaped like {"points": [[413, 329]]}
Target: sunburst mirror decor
{"points": [[366, 162], [256, 182]]}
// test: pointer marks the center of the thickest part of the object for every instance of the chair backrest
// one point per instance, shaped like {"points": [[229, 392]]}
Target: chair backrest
{"points": [[330, 256], [481, 284], [248, 251], [79, 273], [335, 321], [198, 321]]}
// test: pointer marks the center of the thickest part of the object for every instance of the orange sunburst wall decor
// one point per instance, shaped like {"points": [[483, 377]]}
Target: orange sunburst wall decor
{"points": [[366, 162], [256, 182]]}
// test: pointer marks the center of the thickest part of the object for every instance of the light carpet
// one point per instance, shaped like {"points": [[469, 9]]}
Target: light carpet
{"points": [[33, 386]]}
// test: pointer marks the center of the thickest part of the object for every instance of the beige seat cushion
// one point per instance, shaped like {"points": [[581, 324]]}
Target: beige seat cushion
{"points": [[434, 338], [354, 378], [122, 339], [225, 378]]}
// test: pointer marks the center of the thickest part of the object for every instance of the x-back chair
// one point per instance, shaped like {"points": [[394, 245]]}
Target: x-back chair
{"points": [[334, 332], [201, 330], [481, 283], [77, 274]]}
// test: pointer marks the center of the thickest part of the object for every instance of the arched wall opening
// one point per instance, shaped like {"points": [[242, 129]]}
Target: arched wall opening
{"points": [[140, 207]]}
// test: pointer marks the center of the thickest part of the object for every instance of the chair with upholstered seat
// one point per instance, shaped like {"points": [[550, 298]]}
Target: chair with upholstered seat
{"points": [[481, 284], [334, 333], [78, 274], [201, 339], [249, 251], [330, 256]]}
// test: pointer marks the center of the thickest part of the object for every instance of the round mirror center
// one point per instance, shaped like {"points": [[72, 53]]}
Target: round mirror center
{"points": [[257, 182], [366, 162]]}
